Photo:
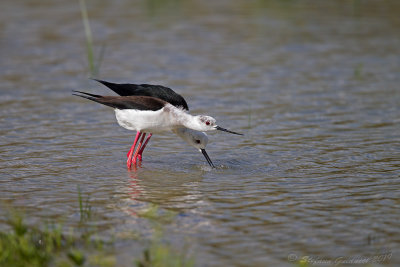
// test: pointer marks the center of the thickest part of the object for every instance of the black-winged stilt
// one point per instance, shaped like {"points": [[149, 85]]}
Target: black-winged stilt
{"points": [[198, 140], [148, 114]]}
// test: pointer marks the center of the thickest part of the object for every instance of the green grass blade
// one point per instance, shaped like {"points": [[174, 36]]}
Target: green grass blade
{"points": [[89, 39]]}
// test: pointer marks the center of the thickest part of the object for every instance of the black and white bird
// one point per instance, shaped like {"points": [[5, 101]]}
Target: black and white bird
{"points": [[154, 108], [197, 139]]}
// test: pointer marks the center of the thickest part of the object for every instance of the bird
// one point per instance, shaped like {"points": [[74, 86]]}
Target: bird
{"points": [[198, 140], [148, 114]]}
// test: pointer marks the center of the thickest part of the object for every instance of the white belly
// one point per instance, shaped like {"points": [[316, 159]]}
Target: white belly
{"points": [[145, 121]]}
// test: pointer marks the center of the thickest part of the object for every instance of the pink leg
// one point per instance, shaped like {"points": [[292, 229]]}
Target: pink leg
{"points": [[133, 146], [138, 149], [144, 145], [128, 162]]}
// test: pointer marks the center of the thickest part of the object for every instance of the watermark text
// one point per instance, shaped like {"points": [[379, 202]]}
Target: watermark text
{"points": [[347, 260]]}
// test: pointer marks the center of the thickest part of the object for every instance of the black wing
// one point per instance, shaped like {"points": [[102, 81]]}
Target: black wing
{"points": [[125, 102], [157, 91]]}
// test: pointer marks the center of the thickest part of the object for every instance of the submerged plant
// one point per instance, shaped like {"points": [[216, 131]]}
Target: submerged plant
{"points": [[160, 253], [85, 210], [358, 71], [26, 245], [94, 65]]}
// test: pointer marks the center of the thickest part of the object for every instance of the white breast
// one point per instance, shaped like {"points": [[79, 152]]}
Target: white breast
{"points": [[145, 121]]}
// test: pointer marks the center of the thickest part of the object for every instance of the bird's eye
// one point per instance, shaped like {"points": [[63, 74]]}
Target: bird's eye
{"points": [[207, 122], [198, 141]]}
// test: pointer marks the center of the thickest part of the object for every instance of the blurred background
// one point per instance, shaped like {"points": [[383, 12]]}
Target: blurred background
{"points": [[313, 85]]}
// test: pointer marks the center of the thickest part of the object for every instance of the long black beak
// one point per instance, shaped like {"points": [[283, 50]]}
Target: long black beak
{"points": [[207, 158], [225, 130]]}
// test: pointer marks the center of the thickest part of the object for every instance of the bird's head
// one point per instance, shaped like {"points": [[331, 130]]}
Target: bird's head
{"points": [[198, 140], [207, 123]]}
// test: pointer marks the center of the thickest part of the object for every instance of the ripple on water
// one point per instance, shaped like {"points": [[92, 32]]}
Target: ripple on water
{"points": [[315, 174]]}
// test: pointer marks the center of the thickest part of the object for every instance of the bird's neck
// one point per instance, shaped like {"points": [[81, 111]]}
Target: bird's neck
{"points": [[190, 122], [181, 133], [184, 119]]}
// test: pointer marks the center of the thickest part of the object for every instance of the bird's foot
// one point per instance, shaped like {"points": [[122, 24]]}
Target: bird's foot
{"points": [[134, 160]]}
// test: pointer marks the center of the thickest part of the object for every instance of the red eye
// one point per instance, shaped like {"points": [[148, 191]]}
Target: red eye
{"points": [[207, 123]]}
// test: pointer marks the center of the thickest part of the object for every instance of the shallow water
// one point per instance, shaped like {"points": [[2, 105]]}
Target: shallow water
{"points": [[313, 85]]}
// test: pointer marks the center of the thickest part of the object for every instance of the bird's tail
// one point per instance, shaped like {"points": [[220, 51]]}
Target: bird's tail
{"points": [[96, 98], [86, 95]]}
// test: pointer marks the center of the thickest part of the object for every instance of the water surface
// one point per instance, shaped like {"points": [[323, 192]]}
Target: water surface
{"points": [[313, 85]]}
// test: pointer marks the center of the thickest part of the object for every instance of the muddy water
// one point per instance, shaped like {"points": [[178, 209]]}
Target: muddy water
{"points": [[313, 85]]}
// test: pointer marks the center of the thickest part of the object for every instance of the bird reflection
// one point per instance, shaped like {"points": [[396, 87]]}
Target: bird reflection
{"points": [[134, 190]]}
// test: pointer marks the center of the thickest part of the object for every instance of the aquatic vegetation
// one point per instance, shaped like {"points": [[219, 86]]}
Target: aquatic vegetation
{"points": [[160, 253], [249, 117], [85, 210], [53, 245], [29, 246], [358, 71], [94, 65], [26, 245]]}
